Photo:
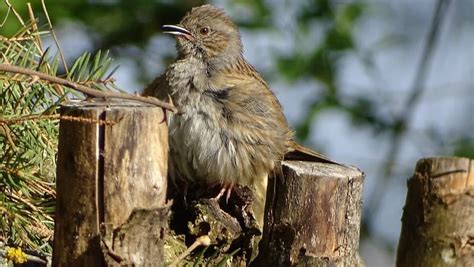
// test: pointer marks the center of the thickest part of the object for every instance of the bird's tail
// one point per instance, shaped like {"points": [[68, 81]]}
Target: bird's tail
{"points": [[302, 153], [259, 189]]}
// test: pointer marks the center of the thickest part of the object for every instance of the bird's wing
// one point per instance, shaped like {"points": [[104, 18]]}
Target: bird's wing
{"points": [[158, 88]]}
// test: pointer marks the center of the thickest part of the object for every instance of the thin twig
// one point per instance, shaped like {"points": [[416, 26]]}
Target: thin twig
{"points": [[30, 117], [7, 133], [17, 15], [25, 26], [403, 121], [88, 120], [54, 36], [16, 39], [40, 187], [200, 241], [84, 89], [6, 16], [16, 197], [34, 26]]}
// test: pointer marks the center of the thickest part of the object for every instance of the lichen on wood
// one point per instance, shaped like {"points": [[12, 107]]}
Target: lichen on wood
{"points": [[438, 218]]}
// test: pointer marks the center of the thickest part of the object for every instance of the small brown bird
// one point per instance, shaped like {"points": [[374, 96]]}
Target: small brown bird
{"points": [[230, 128]]}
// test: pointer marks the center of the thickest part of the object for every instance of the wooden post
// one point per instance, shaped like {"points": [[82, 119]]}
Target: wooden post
{"points": [[312, 216], [438, 218], [111, 184]]}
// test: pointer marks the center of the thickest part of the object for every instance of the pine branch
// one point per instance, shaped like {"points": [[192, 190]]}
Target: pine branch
{"points": [[30, 93], [84, 89]]}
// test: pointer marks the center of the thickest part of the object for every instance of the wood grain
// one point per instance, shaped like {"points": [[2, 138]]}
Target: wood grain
{"points": [[112, 164], [313, 216]]}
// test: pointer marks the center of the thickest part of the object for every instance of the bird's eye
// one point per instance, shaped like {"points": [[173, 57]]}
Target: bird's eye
{"points": [[204, 30]]}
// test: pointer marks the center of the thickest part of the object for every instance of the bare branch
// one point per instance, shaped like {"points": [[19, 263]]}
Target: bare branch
{"points": [[84, 89]]}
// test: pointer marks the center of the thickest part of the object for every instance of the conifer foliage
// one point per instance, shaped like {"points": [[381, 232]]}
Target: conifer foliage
{"points": [[29, 122]]}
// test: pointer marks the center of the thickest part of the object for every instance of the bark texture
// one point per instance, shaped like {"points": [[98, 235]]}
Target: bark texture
{"points": [[313, 214], [229, 224], [438, 218], [111, 184]]}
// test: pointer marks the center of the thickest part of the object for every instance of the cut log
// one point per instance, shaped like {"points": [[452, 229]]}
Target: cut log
{"points": [[112, 169], [438, 218], [312, 216]]}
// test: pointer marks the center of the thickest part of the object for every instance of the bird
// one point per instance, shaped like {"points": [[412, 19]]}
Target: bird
{"points": [[230, 128]]}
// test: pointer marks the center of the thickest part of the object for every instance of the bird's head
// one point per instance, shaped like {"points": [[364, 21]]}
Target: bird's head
{"points": [[207, 32]]}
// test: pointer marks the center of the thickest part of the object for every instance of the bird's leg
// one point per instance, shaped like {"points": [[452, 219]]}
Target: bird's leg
{"points": [[221, 193], [229, 191], [225, 188], [185, 199]]}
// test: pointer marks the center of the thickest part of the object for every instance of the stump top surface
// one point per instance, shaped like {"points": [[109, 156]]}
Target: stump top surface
{"points": [[447, 175], [323, 169]]}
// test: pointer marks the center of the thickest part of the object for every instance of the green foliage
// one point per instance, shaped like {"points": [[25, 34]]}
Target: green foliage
{"points": [[321, 63], [261, 14], [116, 22], [94, 71], [464, 147], [215, 260], [29, 130]]}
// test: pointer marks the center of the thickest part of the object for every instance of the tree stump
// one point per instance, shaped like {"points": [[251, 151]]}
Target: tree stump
{"points": [[229, 224], [312, 216], [438, 218], [111, 184]]}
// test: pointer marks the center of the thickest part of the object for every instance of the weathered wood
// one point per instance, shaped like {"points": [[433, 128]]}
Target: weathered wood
{"points": [[438, 218], [112, 161], [76, 209], [137, 242], [229, 225], [312, 216]]}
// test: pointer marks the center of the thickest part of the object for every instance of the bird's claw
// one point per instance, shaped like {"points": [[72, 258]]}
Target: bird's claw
{"points": [[227, 190]]}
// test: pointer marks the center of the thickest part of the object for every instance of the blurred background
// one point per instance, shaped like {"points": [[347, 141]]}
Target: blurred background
{"points": [[375, 84]]}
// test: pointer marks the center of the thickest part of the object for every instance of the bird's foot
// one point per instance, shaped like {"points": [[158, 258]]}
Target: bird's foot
{"points": [[226, 190]]}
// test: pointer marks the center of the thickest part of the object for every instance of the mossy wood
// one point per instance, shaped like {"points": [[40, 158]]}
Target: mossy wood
{"points": [[438, 218], [111, 184]]}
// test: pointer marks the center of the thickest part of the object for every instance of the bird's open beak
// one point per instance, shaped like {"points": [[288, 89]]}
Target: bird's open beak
{"points": [[177, 30]]}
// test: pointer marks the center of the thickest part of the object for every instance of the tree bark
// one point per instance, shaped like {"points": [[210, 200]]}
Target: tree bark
{"points": [[111, 182], [438, 218], [312, 216]]}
